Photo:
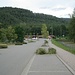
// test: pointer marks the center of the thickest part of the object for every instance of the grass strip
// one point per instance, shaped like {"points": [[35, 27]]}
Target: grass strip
{"points": [[57, 43]]}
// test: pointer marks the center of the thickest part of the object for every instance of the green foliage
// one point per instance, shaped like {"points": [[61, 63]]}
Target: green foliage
{"points": [[10, 33], [18, 43], [7, 35], [30, 41], [45, 42], [31, 22], [51, 51], [3, 46], [20, 33], [72, 27], [41, 51], [24, 42], [63, 46], [44, 31], [3, 36]]}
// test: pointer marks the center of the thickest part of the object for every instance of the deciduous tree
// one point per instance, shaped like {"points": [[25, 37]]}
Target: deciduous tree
{"points": [[10, 34], [20, 33], [72, 27], [44, 31]]}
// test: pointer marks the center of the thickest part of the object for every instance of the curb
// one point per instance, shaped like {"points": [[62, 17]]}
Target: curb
{"points": [[68, 67], [26, 69]]}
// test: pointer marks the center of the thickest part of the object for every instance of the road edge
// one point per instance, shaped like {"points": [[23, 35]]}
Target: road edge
{"points": [[67, 66]]}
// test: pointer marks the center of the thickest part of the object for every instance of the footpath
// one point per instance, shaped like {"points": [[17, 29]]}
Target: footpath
{"points": [[68, 57], [62, 63]]}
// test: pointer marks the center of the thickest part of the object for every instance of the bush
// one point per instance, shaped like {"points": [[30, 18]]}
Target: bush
{"points": [[41, 51], [18, 43], [30, 41], [3, 46], [51, 51], [46, 42], [44, 45], [24, 42]]}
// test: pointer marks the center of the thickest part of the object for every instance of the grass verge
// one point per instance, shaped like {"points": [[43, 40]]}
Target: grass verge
{"points": [[63, 46]]}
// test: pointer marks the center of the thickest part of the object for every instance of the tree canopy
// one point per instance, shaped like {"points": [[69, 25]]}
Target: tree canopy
{"points": [[29, 22], [72, 27], [44, 31]]}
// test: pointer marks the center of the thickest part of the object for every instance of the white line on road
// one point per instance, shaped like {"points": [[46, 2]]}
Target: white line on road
{"points": [[27, 68], [48, 71]]}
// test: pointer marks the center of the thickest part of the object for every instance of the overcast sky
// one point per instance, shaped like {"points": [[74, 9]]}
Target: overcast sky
{"points": [[58, 8]]}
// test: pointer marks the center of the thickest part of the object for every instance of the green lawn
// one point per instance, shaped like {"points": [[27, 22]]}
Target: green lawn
{"points": [[57, 43]]}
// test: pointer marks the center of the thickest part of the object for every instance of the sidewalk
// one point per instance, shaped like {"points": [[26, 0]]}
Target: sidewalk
{"points": [[68, 57], [46, 65]]}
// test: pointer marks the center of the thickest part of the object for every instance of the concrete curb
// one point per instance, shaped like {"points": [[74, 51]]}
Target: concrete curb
{"points": [[68, 67]]}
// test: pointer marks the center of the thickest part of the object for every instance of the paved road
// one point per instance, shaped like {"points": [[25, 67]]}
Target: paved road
{"points": [[14, 59]]}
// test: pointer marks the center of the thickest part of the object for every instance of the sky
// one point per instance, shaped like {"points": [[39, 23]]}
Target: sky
{"points": [[58, 8]]}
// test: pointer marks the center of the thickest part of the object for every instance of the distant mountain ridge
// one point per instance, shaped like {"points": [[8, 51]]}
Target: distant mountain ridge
{"points": [[14, 16]]}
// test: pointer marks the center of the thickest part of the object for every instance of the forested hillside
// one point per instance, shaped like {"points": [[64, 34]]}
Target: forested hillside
{"points": [[31, 22]]}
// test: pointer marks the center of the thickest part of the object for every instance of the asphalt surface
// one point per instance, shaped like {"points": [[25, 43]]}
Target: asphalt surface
{"points": [[14, 59], [20, 60], [47, 65]]}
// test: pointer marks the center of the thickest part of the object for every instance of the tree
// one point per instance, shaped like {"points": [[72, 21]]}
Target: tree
{"points": [[72, 27], [1, 25], [63, 30], [44, 31], [20, 33], [3, 37], [10, 33]]}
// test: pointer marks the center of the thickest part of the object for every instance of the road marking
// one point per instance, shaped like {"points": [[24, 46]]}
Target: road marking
{"points": [[27, 68], [48, 71]]}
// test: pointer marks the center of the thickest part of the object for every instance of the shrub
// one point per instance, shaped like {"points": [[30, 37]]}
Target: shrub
{"points": [[46, 42], [24, 42], [44, 45], [51, 51], [18, 43], [3, 46], [41, 51], [30, 41]]}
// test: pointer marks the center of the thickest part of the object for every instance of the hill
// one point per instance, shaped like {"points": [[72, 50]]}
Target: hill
{"points": [[32, 21]]}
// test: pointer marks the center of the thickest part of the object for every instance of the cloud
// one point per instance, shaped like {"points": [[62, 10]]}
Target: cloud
{"points": [[59, 8], [58, 11], [55, 8]]}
